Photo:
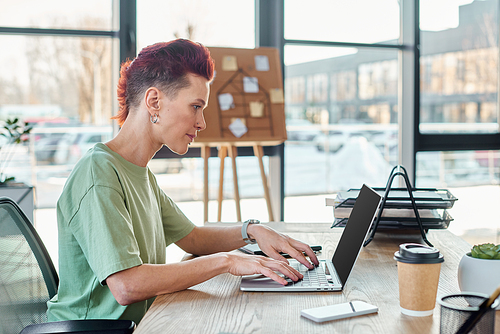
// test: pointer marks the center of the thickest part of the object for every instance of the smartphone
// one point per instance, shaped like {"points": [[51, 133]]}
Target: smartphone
{"points": [[338, 311]]}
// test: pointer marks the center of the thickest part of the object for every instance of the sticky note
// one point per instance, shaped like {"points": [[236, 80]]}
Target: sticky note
{"points": [[229, 63], [276, 95], [242, 120], [256, 109], [238, 128], [261, 63], [250, 85], [226, 101]]}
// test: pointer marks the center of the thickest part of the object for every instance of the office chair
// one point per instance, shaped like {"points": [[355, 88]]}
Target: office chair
{"points": [[28, 279]]}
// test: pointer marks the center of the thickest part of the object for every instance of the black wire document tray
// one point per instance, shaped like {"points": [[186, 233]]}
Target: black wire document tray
{"points": [[429, 198], [401, 208], [440, 219]]}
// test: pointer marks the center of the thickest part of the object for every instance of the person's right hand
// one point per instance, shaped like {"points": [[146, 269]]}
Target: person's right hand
{"points": [[243, 264]]}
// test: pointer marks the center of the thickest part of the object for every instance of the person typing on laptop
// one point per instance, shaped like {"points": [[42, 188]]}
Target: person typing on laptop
{"points": [[114, 221]]}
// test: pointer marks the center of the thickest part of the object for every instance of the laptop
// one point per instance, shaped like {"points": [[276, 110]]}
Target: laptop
{"points": [[330, 275]]}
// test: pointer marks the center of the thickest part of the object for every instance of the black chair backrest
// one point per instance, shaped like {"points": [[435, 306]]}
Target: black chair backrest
{"points": [[28, 278]]}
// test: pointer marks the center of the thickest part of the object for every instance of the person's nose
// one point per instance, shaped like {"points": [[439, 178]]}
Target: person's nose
{"points": [[201, 124]]}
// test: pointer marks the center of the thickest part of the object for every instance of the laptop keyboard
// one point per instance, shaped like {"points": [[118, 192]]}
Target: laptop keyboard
{"points": [[312, 277]]}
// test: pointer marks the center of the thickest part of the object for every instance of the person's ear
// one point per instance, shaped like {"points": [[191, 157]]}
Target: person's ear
{"points": [[152, 99]]}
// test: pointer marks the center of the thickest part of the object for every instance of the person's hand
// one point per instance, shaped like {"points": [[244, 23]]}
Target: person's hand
{"points": [[243, 264], [272, 243]]}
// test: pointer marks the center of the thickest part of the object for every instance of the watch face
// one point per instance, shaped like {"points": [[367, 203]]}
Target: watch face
{"points": [[244, 234]]}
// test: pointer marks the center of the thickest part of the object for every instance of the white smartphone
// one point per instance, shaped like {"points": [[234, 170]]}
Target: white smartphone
{"points": [[338, 311]]}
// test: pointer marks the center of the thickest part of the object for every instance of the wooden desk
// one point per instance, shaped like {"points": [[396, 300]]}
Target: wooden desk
{"points": [[218, 306]]}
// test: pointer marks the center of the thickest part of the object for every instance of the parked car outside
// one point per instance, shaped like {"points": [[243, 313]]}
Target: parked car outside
{"points": [[385, 139], [46, 147], [301, 130], [74, 145], [46, 135], [332, 142]]}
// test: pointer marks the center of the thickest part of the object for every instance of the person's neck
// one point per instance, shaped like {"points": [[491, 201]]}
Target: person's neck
{"points": [[133, 145]]}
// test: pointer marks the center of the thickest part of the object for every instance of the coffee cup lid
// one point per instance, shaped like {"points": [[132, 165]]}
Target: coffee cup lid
{"points": [[417, 253]]}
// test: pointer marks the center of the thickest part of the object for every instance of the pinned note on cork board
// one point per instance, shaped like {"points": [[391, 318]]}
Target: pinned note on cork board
{"points": [[246, 103]]}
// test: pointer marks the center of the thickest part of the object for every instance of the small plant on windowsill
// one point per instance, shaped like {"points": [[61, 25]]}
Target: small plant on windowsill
{"points": [[13, 133]]}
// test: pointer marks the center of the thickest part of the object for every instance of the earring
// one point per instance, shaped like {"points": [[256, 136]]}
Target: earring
{"points": [[154, 118]]}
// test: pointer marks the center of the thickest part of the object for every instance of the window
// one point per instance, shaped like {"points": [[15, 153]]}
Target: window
{"points": [[60, 85], [56, 72], [459, 89], [57, 79], [458, 169], [222, 23], [56, 14], [341, 80], [458, 137], [352, 99], [342, 21]]}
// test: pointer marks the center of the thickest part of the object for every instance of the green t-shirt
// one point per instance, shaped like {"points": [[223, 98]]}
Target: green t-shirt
{"points": [[111, 216]]}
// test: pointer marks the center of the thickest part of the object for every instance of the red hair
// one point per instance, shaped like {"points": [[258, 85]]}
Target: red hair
{"points": [[164, 66]]}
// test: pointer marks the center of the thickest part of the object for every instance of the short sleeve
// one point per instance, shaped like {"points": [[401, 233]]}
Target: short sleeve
{"points": [[175, 224], [104, 231]]}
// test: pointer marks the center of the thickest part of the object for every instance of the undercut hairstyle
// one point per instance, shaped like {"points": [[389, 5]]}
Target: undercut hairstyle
{"points": [[164, 66]]}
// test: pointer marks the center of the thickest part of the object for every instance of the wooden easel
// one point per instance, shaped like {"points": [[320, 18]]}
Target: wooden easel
{"points": [[205, 154], [248, 91], [223, 151]]}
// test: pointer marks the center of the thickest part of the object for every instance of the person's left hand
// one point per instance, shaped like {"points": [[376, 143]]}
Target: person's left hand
{"points": [[272, 243]]}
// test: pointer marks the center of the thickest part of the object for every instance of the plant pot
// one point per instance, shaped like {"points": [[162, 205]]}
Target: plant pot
{"points": [[22, 194], [478, 275]]}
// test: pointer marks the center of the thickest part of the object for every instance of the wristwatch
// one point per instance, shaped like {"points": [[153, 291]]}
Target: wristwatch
{"points": [[244, 233]]}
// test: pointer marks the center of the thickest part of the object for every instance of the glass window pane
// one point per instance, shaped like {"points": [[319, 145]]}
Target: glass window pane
{"points": [[342, 114], [459, 67], [472, 177], [222, 23], [361, 21], [57, 77], [56, 14], [455, 169], [62, 86]]}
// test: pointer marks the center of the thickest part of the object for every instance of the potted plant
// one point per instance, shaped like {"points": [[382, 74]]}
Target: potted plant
{"points": [[13, 134], [479, 270]]}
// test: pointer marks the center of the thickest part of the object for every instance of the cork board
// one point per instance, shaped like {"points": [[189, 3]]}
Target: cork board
{"points": [[246, 103]]}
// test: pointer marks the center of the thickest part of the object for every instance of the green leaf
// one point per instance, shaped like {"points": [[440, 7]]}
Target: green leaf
{"points": [[486, 251], [8, 179]]}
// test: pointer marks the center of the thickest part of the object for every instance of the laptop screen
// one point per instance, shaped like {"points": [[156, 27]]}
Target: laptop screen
{"points": [[355, 232]]}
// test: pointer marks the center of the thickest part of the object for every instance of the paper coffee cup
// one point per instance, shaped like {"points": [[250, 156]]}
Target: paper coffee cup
{"points": [[418, 274]]}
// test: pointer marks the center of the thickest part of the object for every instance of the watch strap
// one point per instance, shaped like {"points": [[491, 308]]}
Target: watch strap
{"points": [[244, 233]]}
